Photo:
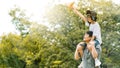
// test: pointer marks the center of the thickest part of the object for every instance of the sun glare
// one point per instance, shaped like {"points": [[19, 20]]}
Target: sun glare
{"points": [[34, 9]]}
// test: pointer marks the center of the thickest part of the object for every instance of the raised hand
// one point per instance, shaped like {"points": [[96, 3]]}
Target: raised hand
{"points": [[70, 5]]}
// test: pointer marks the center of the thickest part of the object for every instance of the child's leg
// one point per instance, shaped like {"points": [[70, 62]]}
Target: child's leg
{"points": [[91, 48]]}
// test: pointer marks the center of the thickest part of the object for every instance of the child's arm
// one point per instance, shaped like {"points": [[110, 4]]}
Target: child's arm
{"points": [[71, 6], [93, 38], [80, 15]]}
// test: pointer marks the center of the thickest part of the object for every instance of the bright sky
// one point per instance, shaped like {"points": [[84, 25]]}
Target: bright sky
{"points": [[34, 8]]}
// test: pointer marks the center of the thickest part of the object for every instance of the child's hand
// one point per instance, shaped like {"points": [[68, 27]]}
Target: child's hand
{"points": [[70, 5], [91, 42]]}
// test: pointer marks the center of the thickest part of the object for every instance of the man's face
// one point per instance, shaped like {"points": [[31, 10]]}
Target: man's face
{"points": [[86, 38]]}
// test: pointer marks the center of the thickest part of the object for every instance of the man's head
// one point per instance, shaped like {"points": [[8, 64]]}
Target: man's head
{"points": [[91, 16], [88, 35]]}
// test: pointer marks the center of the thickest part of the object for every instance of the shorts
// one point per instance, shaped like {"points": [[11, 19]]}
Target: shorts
{"points": [[96, 43]]}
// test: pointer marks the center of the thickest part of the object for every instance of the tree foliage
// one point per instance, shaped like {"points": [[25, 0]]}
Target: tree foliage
{"points": [[53, 46]]}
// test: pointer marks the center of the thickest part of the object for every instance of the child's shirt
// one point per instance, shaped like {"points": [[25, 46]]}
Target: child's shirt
{"points": [[96, 30]]}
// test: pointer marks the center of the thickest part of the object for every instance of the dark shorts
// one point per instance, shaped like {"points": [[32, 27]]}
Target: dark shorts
{"points": [[96, 43]]}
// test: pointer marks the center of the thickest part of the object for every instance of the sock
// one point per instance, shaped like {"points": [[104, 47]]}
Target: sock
{"points": [[96, 59]]}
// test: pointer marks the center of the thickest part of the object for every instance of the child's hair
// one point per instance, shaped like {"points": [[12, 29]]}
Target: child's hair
{"points": [[91, 14], [90, 33]]}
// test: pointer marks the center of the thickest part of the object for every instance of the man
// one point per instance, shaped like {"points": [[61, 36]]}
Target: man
{"points": [[86, 44]]}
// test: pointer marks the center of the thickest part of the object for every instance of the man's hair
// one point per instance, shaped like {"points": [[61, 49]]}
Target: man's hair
{"points": [[90, 33], [92, 14]]}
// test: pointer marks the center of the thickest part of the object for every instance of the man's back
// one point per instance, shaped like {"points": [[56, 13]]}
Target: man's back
{"points": [[88, 61]]}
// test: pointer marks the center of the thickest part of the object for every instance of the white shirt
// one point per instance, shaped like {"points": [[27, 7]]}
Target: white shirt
{"points": [[96, 30]]}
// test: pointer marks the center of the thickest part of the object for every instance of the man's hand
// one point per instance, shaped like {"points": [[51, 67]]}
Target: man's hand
{"points": [[79, 46]]}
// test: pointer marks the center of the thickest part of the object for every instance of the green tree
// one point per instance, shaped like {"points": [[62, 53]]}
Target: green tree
{"points": [[20, 20], [8, 48], [41, 46]]}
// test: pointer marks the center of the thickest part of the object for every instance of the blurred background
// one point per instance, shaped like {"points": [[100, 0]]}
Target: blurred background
{"points": [[44, 33]]}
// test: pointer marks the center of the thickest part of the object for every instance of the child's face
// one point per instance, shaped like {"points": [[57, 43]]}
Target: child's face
{"points": [[89, 19]]}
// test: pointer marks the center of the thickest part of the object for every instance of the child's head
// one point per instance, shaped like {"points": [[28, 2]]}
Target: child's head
{"points": [[91, 15]]}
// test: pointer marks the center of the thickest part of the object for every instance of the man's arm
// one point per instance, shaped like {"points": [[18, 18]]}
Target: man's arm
{"points": [[76, 56]]}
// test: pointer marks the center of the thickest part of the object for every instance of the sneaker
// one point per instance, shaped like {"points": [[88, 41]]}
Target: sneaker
{"points": [[97, 63]]}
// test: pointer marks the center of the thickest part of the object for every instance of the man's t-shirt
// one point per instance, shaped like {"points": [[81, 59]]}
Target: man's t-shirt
{"points": [[96, 30]]}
